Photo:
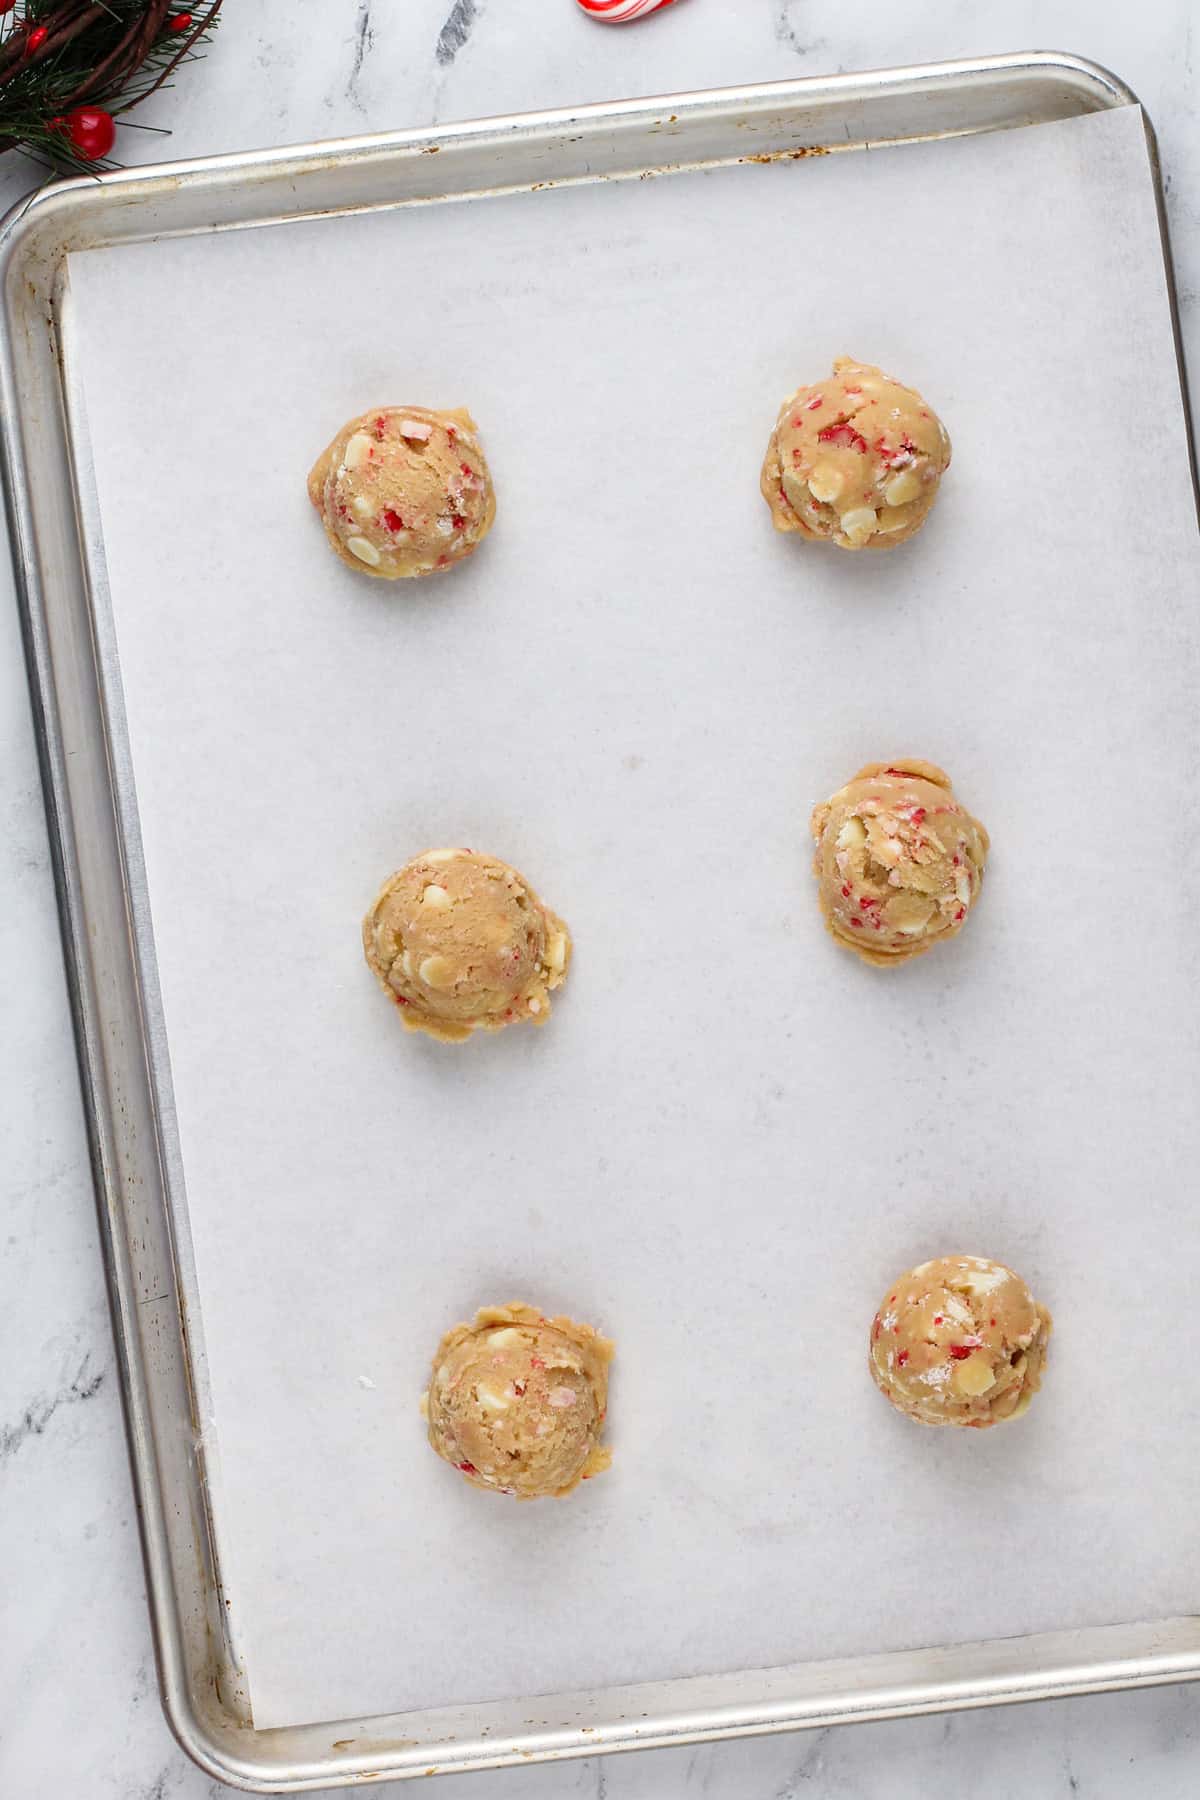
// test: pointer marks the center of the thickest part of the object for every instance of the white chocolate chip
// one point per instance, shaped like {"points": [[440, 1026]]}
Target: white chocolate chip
{"points": [[437, 972], [415, 430], [562, 1397], [363, 505], [556, 952], [974, 1375], [435, 896], [443, 528], [498, 1339], [406, 964], [977, 1277], [364, 550], [962, 887], [825, 482], [852, 835], [357, 451], [858, 524], [441, 856], [893, 518], [489, 1398], [902, 488], [535, 1005]]}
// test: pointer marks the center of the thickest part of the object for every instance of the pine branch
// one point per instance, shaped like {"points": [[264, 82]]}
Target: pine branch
{"points": [[100, 53]]}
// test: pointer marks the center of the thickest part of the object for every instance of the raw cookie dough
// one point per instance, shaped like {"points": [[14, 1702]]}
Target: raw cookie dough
{"points": [[404, 491], [516, 1401], [959, 1341], [856, 459], [899, 862], [462, 943]]}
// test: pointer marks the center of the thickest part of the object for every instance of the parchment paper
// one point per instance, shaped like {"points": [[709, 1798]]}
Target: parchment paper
{"points": [[731, 1136]]}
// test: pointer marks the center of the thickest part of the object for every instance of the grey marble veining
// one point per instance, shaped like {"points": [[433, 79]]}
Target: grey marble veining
{"points": [[79, 1713]]}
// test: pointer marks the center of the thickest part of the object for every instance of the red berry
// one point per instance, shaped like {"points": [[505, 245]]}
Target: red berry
{"points": [[180, 22], [92, 131], [37, 38]]}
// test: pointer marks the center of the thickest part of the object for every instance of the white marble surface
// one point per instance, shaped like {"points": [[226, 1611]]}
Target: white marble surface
{"points": [[78, 1710]]}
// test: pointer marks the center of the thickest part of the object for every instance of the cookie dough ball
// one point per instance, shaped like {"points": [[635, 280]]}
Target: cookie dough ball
{"points": [[462, 943], [855, 459], [517, 1401], [899, 862], [959, 1341], [404, 491]]}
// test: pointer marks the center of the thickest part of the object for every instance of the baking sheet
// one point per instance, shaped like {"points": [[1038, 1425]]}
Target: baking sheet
{"points": [[730, 1137]]}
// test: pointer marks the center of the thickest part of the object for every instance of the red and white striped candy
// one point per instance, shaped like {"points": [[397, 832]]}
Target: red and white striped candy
{"points": [[620, 12]]}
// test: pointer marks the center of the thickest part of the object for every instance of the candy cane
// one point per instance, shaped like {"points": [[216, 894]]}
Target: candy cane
{"points": [[620, 12]]}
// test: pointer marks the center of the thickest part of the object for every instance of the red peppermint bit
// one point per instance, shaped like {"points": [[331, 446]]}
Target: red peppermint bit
{"points": [[876, 1328], [937, 1319], [399, 999], [812, 405], [392, 519], [852, 390], [892, 1300], [343, 510], [458, 522], [991, 1321], [902, 1358], [452, 433], [465, 469], [797, 453], [535, 1362], [442, 561], [519, 1389], [857, 924], [846, 892], [895, 1331], [895, 771], [467, 1468], [960, 1351], [378, 427], [866, 901], [843, 434], [955, 861], [960, 915], [917, 815]]}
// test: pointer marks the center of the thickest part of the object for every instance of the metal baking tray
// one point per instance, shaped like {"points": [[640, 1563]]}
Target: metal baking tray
{"points": [[53, 519]]}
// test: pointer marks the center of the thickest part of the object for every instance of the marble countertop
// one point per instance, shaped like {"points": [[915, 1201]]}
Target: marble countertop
{"points": [[80, 1713]]}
